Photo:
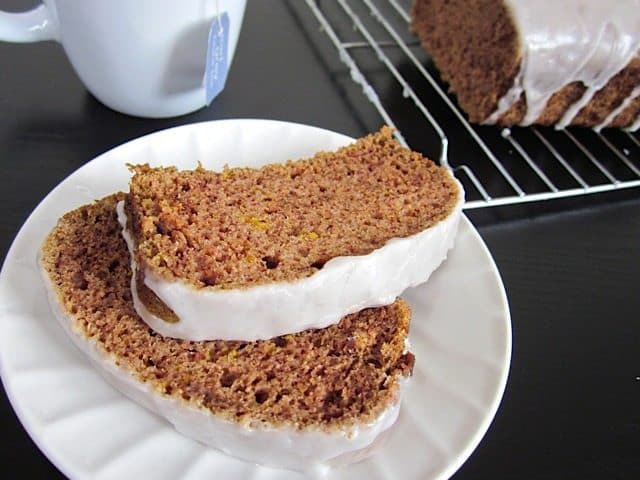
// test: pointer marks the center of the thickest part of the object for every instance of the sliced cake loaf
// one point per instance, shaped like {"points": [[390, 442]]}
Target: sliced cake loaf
{"points": [[248, 254], [293, 401], [523, 62]]}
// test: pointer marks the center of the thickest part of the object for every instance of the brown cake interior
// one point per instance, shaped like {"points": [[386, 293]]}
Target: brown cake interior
{"points": [[339, 376], [475, 47], [282, 222]]}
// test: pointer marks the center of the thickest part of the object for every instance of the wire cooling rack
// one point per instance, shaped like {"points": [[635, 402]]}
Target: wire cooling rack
{"points": [[497, 166]]}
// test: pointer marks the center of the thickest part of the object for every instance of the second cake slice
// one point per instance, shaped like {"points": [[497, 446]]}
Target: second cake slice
{"points": [[248, 254], [307, 401]]}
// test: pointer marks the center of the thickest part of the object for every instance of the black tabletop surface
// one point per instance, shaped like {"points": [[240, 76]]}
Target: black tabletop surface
{"points": [[570, 267]]}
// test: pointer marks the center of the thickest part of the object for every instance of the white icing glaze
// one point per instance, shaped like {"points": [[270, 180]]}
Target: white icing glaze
{"points": [[634, 126], [310, 450], [577, 40], [619, 109], [343, 286]]}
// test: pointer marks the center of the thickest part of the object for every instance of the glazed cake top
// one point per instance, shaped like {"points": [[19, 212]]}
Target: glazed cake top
{"points": [[589, 41]]}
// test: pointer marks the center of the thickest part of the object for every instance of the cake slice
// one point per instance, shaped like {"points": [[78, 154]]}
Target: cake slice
{"points": [[248, 254], [297, 401]]}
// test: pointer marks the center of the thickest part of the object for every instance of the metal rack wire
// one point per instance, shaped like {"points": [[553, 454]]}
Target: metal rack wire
{"points": [[497, 167]]}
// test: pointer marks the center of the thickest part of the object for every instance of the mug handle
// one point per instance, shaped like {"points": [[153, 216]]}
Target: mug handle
{"points": [[31, 26]]}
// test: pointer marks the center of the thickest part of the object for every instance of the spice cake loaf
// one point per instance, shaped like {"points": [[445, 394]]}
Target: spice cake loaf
{"points": [[253, 253], [295, 401], [523, 62]]}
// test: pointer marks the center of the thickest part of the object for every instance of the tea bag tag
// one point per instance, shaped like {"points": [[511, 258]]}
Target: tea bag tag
{"points": [[217, 66]]}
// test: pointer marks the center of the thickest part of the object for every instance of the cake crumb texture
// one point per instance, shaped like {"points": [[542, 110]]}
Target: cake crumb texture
{"points": [[341, 376], [283, 222], [474, 44]]}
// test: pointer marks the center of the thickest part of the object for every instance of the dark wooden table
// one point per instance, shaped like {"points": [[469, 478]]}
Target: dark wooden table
{"points": [[571, 268]]}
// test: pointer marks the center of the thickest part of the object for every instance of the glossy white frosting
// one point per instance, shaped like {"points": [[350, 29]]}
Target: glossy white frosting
{"points": [[344, 285], [572, 40], [635, 125], [619, 109], [311, 450]]}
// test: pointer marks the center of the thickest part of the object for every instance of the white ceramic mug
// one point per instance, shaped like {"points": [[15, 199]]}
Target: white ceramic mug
{"points": [[141, 57]]}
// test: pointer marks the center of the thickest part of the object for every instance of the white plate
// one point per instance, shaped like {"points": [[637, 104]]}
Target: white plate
{"points": [[460, 334]]}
